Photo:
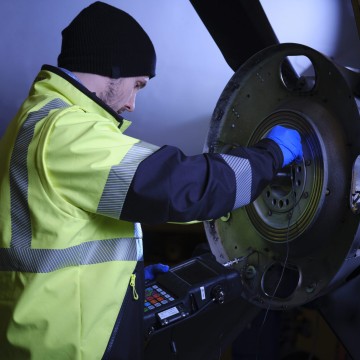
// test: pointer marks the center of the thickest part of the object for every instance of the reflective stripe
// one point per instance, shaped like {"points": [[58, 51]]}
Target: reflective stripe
{"points": [[243, 176], [138, 237], [20, 217], [20, 256], [46, 260], [119, 179]]}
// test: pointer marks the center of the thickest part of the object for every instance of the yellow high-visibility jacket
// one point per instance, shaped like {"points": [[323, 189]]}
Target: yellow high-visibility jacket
{"points": [[66, 258], [73, 190]]}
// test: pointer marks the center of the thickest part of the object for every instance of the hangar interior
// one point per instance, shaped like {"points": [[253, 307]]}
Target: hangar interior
{"points": [[282, 242], [278, 279]]}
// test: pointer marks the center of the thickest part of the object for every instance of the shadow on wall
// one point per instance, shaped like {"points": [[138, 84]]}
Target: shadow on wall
{"points": [[189, 135], [7, 113], [9, 110], [348, 56]]}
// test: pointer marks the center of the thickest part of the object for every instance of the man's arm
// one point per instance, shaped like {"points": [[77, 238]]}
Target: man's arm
{"points": [[171, 187]]}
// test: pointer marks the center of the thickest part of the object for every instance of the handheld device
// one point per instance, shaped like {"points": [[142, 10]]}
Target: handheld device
{"points": [[188, 289]]}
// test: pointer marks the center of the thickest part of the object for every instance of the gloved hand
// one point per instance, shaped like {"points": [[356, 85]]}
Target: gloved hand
{"points": [[289, 141], [152, 270]]}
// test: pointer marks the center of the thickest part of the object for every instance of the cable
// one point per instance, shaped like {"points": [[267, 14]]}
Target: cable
{"points": [[283, 269]]}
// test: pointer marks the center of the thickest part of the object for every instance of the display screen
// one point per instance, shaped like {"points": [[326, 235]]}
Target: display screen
{"points": [[169, 312], [195, 273]]}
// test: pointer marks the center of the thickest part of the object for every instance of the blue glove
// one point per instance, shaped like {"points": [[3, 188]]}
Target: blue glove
{"points": [[152, 270], [289, 142]]}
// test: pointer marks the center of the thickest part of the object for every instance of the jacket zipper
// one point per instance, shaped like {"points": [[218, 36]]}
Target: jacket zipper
{"points": [[127, 299], [132, 284]]}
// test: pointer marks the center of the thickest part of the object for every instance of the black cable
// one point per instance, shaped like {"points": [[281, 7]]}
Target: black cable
{"points": [[283, 269]]}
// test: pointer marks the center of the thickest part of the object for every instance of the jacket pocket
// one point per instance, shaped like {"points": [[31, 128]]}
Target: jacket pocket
{"points": [[126, 339]]}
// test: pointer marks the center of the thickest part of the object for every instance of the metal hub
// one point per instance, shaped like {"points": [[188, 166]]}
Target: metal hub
{"points": [[279, 213]]}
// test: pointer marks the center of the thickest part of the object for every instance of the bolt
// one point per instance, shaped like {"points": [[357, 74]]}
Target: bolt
{"points": [[307, 162], [305, 195], [310, 288], [250, 272]]}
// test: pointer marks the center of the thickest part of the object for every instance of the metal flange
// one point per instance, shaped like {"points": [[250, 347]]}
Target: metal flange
{"points": [[300, 233]]}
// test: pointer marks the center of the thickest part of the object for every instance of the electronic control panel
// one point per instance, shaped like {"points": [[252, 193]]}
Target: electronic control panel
{"points": [[188, 289]]}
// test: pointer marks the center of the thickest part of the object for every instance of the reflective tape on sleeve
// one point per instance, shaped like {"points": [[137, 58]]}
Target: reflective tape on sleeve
{"points": [[119, 179], [243, 176]]}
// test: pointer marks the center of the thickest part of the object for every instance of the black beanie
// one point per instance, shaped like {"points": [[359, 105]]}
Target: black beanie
{"points": [[105, 40]]}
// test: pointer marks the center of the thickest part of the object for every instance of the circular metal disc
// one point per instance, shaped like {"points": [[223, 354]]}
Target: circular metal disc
{"points": [[294, 239]]}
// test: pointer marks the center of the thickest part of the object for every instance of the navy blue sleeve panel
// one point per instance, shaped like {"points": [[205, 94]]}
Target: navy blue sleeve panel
{"points": [[171, 187], [265, 159]]}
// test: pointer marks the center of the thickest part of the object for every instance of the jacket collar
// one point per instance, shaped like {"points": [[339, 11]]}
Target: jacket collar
{"points": [[61, 82]]}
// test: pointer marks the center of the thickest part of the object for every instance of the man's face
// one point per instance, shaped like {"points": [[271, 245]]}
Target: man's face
{"points": [[120, 94]]}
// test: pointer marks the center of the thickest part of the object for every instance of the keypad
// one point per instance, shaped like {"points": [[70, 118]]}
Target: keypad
{"points": [[155, 297]]}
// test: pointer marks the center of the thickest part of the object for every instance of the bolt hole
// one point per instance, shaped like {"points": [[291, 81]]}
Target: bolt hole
{"points": [[298, 73]]}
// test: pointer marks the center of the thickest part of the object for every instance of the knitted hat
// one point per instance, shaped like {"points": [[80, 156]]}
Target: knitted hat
{"points": [[105, 40]]}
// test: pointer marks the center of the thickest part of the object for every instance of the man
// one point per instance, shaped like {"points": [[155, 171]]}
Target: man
{"points": [[74, 189]]}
